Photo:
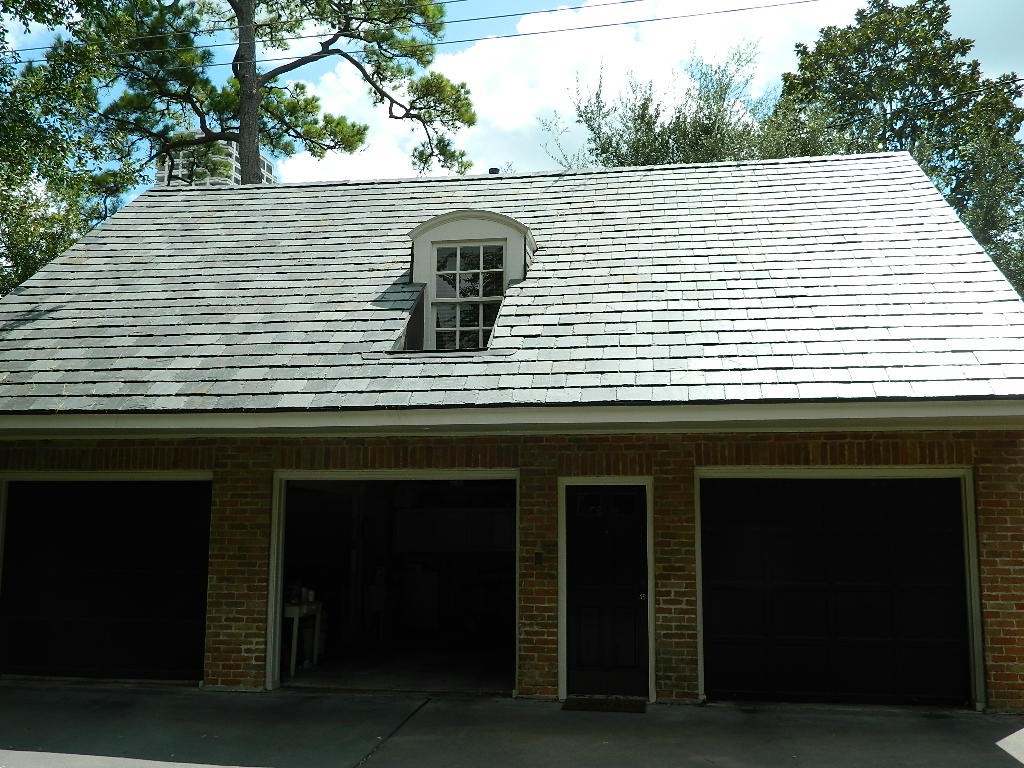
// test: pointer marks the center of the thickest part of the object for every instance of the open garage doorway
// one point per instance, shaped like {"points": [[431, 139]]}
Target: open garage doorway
{"points": [[104, 579], [392, 585]]}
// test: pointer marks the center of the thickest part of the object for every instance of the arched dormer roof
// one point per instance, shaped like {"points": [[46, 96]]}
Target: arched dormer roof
{"points": [[470, 214], [465, 259]]}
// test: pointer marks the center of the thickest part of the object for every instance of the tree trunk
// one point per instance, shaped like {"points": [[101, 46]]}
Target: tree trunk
{"points": [[249, 94]]}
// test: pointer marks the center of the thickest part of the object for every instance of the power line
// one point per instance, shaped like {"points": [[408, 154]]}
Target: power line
{"points": [[785, 3], [328, 32], [228, 28]]}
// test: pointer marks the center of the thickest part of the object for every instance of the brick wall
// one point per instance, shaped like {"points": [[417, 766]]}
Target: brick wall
{"points": [[243, 468]]}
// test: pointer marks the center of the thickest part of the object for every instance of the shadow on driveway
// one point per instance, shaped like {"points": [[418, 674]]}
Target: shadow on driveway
{"points": [[89, 726]]}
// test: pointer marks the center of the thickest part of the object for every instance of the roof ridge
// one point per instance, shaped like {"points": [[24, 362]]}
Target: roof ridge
{"points": [[806, 160]]}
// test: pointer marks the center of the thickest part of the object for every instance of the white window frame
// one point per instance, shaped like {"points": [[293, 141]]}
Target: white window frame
{"points": [[465, 227], [458, 302]]}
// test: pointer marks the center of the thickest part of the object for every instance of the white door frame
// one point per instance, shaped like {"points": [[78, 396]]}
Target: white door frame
{"points": [[648, 484], [970, 538], [275, 597]]}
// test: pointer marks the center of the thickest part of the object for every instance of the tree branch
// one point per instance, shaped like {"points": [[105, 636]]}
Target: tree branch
{"points": [[324, 52]]}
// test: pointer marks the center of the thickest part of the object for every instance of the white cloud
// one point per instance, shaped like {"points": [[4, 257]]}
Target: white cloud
{"points": [[386, 154], [307, 40], [516, 81], [30, 41]]}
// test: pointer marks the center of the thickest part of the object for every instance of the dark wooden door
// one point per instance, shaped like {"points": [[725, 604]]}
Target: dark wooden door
{"points": [[834, 590], [606, 590], [105, 579]]}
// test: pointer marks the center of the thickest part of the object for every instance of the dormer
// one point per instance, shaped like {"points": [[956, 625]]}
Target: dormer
{"points": [[466, 261]]}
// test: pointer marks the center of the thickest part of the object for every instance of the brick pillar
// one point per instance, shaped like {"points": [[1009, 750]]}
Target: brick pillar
{"points": [[675, 571], [538, 573], [999, 491], [236, 613]]}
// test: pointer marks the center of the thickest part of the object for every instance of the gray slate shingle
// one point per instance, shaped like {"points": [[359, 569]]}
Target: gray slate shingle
{"points": [[806, 279]]}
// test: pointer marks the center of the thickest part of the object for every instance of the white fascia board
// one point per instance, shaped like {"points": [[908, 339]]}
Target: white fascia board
{"points": [[775, 417]]}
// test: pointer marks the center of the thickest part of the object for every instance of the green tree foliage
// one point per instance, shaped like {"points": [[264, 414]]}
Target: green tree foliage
{"points": [[133, 80], [896, 79], [60, 172], [715, 118], [170, 84]]}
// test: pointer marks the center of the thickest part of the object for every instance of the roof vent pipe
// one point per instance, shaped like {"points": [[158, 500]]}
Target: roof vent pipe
{"points": [[494, 171]]}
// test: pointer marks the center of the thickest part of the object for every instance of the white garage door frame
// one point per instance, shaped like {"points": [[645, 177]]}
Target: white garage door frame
{"points": [[275, 606], [968, 521]]}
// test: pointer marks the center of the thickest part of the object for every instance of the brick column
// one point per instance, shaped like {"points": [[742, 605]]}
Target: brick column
{"points": [[538, 570], [999, 492], [675, 571], [236, 612]]}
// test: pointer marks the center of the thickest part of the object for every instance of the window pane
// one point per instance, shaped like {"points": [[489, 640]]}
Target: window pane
{"points": [[445, 340], [469, 315], [469, 339], [469, 258], [492, 284], [494, 257], [446, 286], [469, 285], [486, 338], [446, 316], [446, 259], [490, 313]]}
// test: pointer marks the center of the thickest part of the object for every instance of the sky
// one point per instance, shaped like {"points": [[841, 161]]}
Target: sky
{"points": [[516, 83], [519, 82]]}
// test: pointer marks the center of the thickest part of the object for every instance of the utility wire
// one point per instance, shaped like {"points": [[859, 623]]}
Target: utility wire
{"points": [[235, 27], [781, 4], [328, 32], [507, 36]]}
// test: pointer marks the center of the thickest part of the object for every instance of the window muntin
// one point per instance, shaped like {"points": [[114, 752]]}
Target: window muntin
{"points": [[470, 282]]}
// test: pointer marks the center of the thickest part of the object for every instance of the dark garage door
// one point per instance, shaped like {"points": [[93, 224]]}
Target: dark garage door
{"points": [[834, 590], [105, 579]]}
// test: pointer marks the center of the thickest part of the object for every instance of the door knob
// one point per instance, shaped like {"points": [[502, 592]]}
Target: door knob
{"points": [[643, 596]]}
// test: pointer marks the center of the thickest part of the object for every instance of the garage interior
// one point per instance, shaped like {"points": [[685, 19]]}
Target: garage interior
{"points": [[835, 590], [414, 581], [104, 579]]}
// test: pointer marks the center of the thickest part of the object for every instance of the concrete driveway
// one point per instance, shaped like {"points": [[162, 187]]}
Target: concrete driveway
{"points": [[94, 726]]}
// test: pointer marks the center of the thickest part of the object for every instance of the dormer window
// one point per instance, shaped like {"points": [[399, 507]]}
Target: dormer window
{"points": [[467, 295], [465, 261]]}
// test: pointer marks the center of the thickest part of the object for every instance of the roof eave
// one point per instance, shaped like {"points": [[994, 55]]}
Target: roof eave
{"points": [[973, 414]]}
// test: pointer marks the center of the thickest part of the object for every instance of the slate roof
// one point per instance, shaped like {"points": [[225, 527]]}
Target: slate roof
{"points": [[821, 279]]}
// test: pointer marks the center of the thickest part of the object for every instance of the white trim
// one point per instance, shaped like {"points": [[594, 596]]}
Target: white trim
{"points": [[3, 529], [699, 587], [836, 472], [651, 419], [463, 214], [275, 620], [279, 505], [457, 302], [457, 228], [468, 473], [970, 542], [975, 637], [648, 484]]}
